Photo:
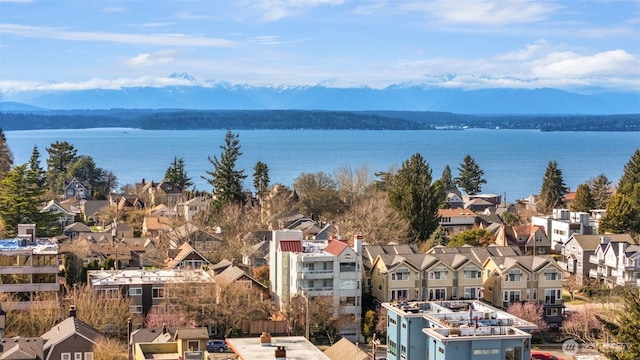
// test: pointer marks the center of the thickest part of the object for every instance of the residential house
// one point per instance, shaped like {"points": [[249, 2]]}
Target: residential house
{"points": [[562, 224], [318, 268], [76, 189], [454, 200], [510, 279], [125, 202], [442, 330], [186, 257], [28, 266], [163, 192], [120, 231], [617, 262], [344, 349], [200, 240], [73, 231], [146, 288], [95, 211], [187, 343], [103, 248], [156, 226], [456, 220], [256, 255], [71, 339], [580, 256], [22, 348], [399, 277], [531, 239], [191, 207], [65, 212], [234, 275]]}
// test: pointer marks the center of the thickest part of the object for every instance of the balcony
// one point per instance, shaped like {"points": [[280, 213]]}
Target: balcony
{"points": [[594, 259], [595, 274], [315, 274]]}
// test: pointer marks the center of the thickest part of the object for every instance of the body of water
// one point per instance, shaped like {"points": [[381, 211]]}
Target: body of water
{"points": [[514, 161]]}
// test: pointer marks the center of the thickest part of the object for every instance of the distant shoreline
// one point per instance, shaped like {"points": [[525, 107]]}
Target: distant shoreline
{"points": [[307, 119]]}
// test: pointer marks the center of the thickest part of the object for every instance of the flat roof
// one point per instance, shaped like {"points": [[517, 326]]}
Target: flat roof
{"points": [[37, 246], [297, 348], [143, 276]]}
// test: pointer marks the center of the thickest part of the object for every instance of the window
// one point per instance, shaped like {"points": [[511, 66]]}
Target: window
{"points": [[552, 312], [552, 275], [347, 301], [471, 293], [514, 275], [438, 274], [511, 296], [403, 351], [400, 274], [534, 294], [399, 294], [472, 272], [348, 267], [392, 321], [392, 347], [193, 345], [437, 294], [550, 296], [135, 291], [88, 356], [65, 356], [478, 352], [135, 309], [77, 356], [157, 293]]}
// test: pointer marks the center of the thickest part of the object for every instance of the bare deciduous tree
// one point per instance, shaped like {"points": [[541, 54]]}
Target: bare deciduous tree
{"points": [[531, 312], [375, 219], [110, 349]]}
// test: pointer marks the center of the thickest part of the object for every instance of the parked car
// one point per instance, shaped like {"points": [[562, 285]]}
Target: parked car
{"points": [[216, 345], [538, 355]]}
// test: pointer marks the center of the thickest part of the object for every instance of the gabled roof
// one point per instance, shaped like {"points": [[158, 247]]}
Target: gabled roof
{"points": [[592, 242], [157, 223], [199, 333], [453, 213], [220, 266], [291, 245], [76, 227], [69, 327], [183, 251], [344, 349], [336, 247], [20, 348], [65, 208], [531, 263], [93, 207], [233, 274]]}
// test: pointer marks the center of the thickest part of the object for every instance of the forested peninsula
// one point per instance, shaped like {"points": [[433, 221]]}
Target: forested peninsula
{"points": [[172, 119]]}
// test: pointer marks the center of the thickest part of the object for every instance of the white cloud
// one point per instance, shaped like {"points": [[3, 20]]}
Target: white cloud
{"points": [[530, 51], [147, 60], [274, 10], [125, 38], [569, 64], [485, 12]]}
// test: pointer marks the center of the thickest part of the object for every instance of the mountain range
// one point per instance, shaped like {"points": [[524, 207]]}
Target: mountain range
{"points": [[225, 96]]}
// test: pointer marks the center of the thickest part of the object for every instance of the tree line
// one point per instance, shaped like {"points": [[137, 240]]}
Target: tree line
{"points": [[172, 119]]}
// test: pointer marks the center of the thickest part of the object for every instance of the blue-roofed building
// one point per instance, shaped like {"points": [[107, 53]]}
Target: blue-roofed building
{"points": [[459, 330], [28, 268]]}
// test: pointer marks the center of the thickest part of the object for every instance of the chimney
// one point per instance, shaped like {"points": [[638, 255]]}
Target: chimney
{"points": [[72, 311], [281, 353], [265, 339], [143, 182], [164, 329], [357, 244]]}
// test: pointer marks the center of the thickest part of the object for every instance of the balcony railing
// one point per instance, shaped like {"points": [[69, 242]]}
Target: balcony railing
{"points": [[594, 273], [594, 259]]}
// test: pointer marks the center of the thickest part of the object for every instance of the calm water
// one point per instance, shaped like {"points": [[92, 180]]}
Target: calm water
{"points": [[514, 161]]}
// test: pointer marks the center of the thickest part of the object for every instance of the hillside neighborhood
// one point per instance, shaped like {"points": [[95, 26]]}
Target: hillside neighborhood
{"points": [[159, 272]]}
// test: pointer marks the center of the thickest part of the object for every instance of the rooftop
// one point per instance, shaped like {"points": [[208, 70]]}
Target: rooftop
{"points": [[460, 319], [297, 347], [37, 246], [143, 276]]}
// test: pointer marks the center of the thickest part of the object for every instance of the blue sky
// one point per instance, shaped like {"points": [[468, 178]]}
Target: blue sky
{"points": [[581, 46]]}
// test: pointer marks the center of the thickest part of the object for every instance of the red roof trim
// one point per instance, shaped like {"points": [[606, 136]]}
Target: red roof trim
{"points": [[336, 247], [291, 245]]}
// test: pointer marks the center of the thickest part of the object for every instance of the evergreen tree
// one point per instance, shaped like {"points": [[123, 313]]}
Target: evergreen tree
{"points": [[34, 165], [624, 328], [6, 157], [471, 176], [20, 197], [600, 191], [438, 237], [177, 175], [621, 216], [448, 184], [61, 154], [583, 201], [412, 193], [623, 210], [225, 179], [553, 189], [260, 177]]}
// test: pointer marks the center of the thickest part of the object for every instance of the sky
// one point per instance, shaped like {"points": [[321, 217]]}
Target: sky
{"points": [[580, 46]]}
